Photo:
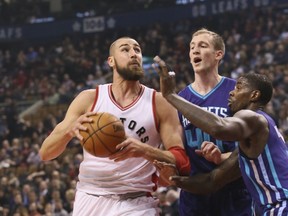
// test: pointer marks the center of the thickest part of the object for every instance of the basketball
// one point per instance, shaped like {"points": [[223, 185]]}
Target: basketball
{"points": [[103, 134]]}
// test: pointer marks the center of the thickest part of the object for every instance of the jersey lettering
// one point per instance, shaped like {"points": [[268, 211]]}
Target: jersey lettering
{"points": [[195, 140], [145, 139], [140, 132], [132, 124], [220, 111]]}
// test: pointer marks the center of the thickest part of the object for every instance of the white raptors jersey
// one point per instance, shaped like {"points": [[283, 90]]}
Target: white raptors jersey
{"points": [[102, 176]]}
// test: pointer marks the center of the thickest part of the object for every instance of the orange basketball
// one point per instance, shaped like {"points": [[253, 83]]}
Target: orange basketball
{"points": [[103, 134]]}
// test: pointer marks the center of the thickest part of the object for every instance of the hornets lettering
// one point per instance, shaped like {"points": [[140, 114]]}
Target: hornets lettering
{"points": [[139, 130], [220, 111]]}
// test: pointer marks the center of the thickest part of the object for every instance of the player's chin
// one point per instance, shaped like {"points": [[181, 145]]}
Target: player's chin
{"points": [[137, 75], [233, 110]]}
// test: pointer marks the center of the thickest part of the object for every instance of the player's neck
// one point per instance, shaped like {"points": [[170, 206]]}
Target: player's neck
{"points": [[204, 84], [126, 93]]}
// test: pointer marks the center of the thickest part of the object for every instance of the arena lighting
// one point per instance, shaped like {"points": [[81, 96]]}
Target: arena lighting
{"points": [[35, 20], [85, 14], [179, 2]]}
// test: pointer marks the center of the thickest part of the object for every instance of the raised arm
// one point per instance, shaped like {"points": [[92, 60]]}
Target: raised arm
{"points": [[241, 126]]}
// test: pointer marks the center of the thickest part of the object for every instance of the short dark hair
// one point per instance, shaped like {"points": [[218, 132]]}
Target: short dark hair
{"points": [[113, 43], [262, 83]]}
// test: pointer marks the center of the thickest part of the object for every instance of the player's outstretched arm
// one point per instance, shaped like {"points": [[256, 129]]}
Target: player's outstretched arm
{"points": [[206, 183]]}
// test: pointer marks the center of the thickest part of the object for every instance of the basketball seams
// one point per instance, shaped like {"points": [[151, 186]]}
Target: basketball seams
{"points": [[95, 133], [108, 134], [102, 143], [90, 137], [101, 132]]}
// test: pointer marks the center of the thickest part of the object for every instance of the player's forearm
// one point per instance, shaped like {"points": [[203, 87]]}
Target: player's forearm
{"points": [[197, 184], [53, 146], [208, 122], [152, 154], [175, 155]]}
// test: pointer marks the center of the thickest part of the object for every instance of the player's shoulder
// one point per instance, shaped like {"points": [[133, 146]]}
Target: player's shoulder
{"points": [[251, 116], [159, 97], [92, 91], [185, 91], [229, 80], [87, 94]]}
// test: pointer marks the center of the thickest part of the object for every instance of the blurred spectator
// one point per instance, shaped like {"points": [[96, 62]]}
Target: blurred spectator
{"points": [[172, 197]]}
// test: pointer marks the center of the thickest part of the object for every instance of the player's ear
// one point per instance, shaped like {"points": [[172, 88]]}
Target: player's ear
{"points": [[110, 61], [255, 95], [219, 54]]}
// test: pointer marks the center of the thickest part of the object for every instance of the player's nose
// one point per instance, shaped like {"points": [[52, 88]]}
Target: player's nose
{"points": [[132, 53]]}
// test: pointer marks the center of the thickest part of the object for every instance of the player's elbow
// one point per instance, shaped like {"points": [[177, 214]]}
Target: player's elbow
{"points": [[43, 156]]}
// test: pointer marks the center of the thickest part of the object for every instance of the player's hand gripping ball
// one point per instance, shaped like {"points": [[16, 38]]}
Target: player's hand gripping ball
{"points": [[103, 134]]}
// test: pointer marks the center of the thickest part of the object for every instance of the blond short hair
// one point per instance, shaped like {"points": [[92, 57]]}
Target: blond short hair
{"points": [[217, 40]]}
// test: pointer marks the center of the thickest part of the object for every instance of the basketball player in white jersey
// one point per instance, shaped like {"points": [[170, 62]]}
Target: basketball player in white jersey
{"points": [[121, 184]]}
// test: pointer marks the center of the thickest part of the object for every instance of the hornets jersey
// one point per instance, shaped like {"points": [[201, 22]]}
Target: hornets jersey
{"points": [[266, 177], [215, 101], [234, 198]]}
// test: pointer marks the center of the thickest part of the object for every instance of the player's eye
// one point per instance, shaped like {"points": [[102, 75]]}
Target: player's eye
{"points": [[137, 50], [125, 50]]}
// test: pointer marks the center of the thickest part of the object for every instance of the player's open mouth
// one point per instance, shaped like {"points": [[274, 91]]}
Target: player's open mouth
{"points": [[229, 103], [197, 60]]}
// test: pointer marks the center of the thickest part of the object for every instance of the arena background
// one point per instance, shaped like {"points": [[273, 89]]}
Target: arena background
{"points": [[50, 50]]}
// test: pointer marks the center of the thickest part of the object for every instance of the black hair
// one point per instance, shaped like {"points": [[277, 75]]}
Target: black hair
{"points": [[262, 83]]}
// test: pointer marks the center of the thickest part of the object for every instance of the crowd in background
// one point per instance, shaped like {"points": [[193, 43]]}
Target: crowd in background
{"points": [[55, 72]]}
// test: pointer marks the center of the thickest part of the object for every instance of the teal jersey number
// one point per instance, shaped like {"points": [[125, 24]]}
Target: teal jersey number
{"points": [[200, 138]]}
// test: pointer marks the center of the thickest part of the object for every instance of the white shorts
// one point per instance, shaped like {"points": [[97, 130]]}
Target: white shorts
{"points": [[91, 205]]}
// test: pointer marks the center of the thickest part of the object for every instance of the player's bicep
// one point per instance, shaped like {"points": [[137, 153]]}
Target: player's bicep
{"points": [[170, 128], [242, 125], [80, 105]]}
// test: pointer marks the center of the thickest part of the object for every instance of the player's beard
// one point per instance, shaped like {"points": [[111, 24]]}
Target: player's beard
{"points": [[130, 72]]}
